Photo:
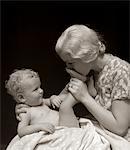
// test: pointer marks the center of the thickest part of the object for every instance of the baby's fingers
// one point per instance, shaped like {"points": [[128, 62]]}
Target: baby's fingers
{"points": [[57, 103], [53, 106], [51, 129]]}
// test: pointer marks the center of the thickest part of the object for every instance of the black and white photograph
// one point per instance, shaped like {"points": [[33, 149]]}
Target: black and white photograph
{"points": [[65, 75]]}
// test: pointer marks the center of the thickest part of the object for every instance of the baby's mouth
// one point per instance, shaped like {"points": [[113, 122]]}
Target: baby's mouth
{"points": [[41, 96]]}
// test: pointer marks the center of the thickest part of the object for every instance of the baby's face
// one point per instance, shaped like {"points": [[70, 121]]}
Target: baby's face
{"points": [[32, 92]]}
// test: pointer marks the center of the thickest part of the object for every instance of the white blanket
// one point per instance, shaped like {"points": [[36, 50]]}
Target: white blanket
{"points": [[88, 137]]}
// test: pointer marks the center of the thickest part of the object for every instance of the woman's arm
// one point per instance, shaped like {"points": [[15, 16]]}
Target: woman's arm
{"points": [[115, 120]]}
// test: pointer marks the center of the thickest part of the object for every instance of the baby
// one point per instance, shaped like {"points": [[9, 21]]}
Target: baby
{"points": [[24, 86]]}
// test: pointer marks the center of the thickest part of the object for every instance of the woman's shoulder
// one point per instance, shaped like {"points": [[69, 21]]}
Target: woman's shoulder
{"points": [[118, 65], [118, 62]]}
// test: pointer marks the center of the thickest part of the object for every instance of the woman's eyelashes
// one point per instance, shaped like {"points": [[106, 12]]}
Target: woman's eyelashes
{"points": [[70, 65]]}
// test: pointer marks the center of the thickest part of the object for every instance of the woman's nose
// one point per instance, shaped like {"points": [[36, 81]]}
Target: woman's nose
{"points": [[69, 65]]}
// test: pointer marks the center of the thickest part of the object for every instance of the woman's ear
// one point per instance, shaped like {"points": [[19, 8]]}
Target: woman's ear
{"points": [[102, 47], [21, 98]]}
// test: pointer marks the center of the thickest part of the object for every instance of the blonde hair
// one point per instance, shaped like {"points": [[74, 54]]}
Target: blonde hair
{"points": [[80, 42], [14, 85]]}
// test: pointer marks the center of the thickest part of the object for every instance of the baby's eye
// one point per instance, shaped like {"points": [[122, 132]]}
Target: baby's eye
{"points": [[35, 89]]}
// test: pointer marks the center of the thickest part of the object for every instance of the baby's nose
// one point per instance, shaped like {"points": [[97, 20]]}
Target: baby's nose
{"points": [[41, 91]]}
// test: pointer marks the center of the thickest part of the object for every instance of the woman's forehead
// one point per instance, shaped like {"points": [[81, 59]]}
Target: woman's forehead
{"points": [[66, 57]]}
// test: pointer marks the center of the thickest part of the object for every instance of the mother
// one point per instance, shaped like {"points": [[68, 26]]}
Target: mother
{"points": [[82, 50]]}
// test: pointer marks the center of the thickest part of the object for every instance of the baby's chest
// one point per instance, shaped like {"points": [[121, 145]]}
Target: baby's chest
{"points": [[38, 115]]}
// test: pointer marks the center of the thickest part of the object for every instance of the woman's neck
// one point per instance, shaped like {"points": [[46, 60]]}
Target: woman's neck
{"points": [[101, 62]]}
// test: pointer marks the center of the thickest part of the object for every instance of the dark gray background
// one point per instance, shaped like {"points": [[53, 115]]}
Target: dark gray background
{"points": [[29, 34]]}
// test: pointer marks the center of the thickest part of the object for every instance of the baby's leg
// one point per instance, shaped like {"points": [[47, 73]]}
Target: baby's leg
{"points": [[66, 113], [91, 88]]}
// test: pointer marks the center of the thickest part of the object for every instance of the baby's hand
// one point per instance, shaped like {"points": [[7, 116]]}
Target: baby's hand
{"points": [[91, 89], [20, 108], [55, 101], [47, 127]]}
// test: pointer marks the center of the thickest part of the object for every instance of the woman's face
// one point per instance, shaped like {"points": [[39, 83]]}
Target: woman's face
{"points": [[79, 66]]}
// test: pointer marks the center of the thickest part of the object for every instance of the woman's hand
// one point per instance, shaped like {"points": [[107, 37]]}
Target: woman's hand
{"points": [[78, 89], [20, 108]]}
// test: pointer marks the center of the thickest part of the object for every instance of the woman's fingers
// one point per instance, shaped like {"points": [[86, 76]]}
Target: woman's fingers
{"points": [[18, 106], [75, 82], [21, 110], [18, 117], [72, 89]]}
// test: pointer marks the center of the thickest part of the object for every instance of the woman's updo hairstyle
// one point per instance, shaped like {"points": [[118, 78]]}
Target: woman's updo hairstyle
{"points": [[80, 42]]}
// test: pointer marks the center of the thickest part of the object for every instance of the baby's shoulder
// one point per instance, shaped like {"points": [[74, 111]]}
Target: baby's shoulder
{"points": [[37, 108]]}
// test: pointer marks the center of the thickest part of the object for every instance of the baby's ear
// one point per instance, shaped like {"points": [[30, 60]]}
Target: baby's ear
{"points": [[21, 98]]}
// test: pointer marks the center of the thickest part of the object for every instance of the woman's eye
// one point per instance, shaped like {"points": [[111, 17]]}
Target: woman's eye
{"points": [[70, 63]]}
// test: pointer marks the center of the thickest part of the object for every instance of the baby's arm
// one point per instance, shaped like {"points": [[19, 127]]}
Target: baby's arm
{"points": [[56, 100], [24, 127], [53, 101], [47, 101]]}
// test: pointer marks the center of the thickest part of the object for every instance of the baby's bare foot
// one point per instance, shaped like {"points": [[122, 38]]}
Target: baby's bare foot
{"points": [[91, 87]]}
